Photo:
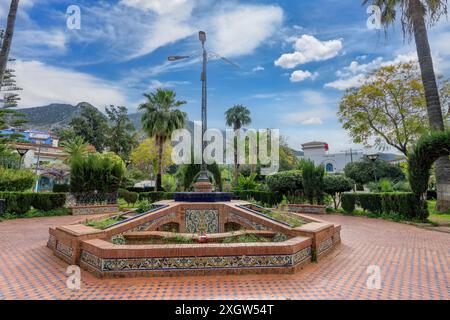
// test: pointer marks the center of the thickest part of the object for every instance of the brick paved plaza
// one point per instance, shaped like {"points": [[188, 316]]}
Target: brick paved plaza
{"points": [[414, 264]]}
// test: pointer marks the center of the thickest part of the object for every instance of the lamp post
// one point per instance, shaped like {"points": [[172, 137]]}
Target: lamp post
{"points": [[202, 182], [374, 158], [22, 152]]}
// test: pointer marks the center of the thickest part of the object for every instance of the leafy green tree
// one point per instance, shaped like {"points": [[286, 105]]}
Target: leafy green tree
{"points": [[390, 106], [74, 148], [160, 119], [312, 180], [145, 157], [288, 159], [335, 185], [188, 173], [92, 126], [97, 174], [415, 16], [248, 183], [363, 172], [237, 117], [287, 183], [122, 137], [16, 180]]}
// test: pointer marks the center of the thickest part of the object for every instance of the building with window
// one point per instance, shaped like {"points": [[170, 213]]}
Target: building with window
{"points": [[335, 162]]}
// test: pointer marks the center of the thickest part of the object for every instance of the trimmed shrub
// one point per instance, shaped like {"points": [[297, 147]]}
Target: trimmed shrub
{"points": [[19, 203], [335, 185], [155, 196], [64, 188], [141, 190], [48, 201], [131, 197], [348, 202], [16, 180], [287, 183], [98, 174], [401, 204], [370, 202], [270, 199]]}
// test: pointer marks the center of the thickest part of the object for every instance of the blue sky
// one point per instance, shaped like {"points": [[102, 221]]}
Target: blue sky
{"points": [[295, 57]]}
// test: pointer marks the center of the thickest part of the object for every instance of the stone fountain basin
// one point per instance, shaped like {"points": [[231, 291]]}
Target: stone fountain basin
{"points": [[143, 236]]}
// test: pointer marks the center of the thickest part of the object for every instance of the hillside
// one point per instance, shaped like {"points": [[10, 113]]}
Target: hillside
{"points": [[52, 116]]}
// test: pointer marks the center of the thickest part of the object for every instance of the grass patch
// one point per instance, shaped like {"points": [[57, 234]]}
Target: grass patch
{"points": [[248, 238], [286, 217], [103, 223], [35, 213]]}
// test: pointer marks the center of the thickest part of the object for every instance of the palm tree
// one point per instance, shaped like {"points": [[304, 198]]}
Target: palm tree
{"points": [[415, 14], [160, 119], [237, 117], [6, 47], [74, 148]]}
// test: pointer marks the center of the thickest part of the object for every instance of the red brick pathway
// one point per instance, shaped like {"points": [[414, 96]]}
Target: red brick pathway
{"points": [[414, 264]]}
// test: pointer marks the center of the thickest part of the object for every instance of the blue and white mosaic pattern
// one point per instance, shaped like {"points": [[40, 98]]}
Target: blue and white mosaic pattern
{"points": [[192, 263], [202, 221]]}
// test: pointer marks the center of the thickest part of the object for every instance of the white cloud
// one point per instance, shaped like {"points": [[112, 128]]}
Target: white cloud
{"points": [[43, 84], [240, 29], [300, 75], [311, 116], [158, 6], [355, 74], [313, 121], [258, 68], [156, 84], [307, 49], [135, 28], [344, 84], [40, 42]]}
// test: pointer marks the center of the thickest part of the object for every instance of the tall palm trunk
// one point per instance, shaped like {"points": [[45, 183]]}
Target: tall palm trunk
{"points": [[236, 162], [160, 163], [6, 47], [432, 98]]}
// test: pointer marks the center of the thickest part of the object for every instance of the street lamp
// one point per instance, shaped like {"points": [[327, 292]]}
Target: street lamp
{"points": [[202, 182], [22, 152], [374, 158]]}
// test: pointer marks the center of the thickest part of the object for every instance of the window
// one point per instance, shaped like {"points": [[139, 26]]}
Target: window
{"points": [[329, 167]]}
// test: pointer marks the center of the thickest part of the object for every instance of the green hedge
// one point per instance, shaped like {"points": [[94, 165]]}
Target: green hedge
{"points": [[270, 199], [64, 188], [155, 196], [348, 202], [403, 204], [16, 180], [19, 203]]}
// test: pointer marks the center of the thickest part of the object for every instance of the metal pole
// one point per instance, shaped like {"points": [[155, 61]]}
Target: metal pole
{"points": [[37, 164], [203, 177]]}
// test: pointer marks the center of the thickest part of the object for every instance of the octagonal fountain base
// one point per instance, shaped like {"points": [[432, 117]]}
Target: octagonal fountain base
{"points": [[126, 248]]}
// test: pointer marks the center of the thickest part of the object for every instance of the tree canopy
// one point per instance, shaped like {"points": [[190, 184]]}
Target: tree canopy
{"points": [[389, 109], [363, 172]]}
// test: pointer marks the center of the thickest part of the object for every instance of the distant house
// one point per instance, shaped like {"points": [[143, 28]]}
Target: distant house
{"points": [[335, 162]]}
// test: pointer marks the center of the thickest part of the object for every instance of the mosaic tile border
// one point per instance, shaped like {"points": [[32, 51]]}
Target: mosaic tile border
{"points": [[195, 263], [325, 245], [65, 250], [255, 225], [51, 243], [336, 237]]}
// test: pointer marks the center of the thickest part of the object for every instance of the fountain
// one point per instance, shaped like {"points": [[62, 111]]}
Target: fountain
{"points": [[197, 233]]}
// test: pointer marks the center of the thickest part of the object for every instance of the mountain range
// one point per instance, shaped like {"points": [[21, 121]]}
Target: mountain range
{"points": [[55, 116]]}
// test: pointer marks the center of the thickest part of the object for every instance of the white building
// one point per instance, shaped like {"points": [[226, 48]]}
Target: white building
{"points": [[333, 162], [336, 162]]}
